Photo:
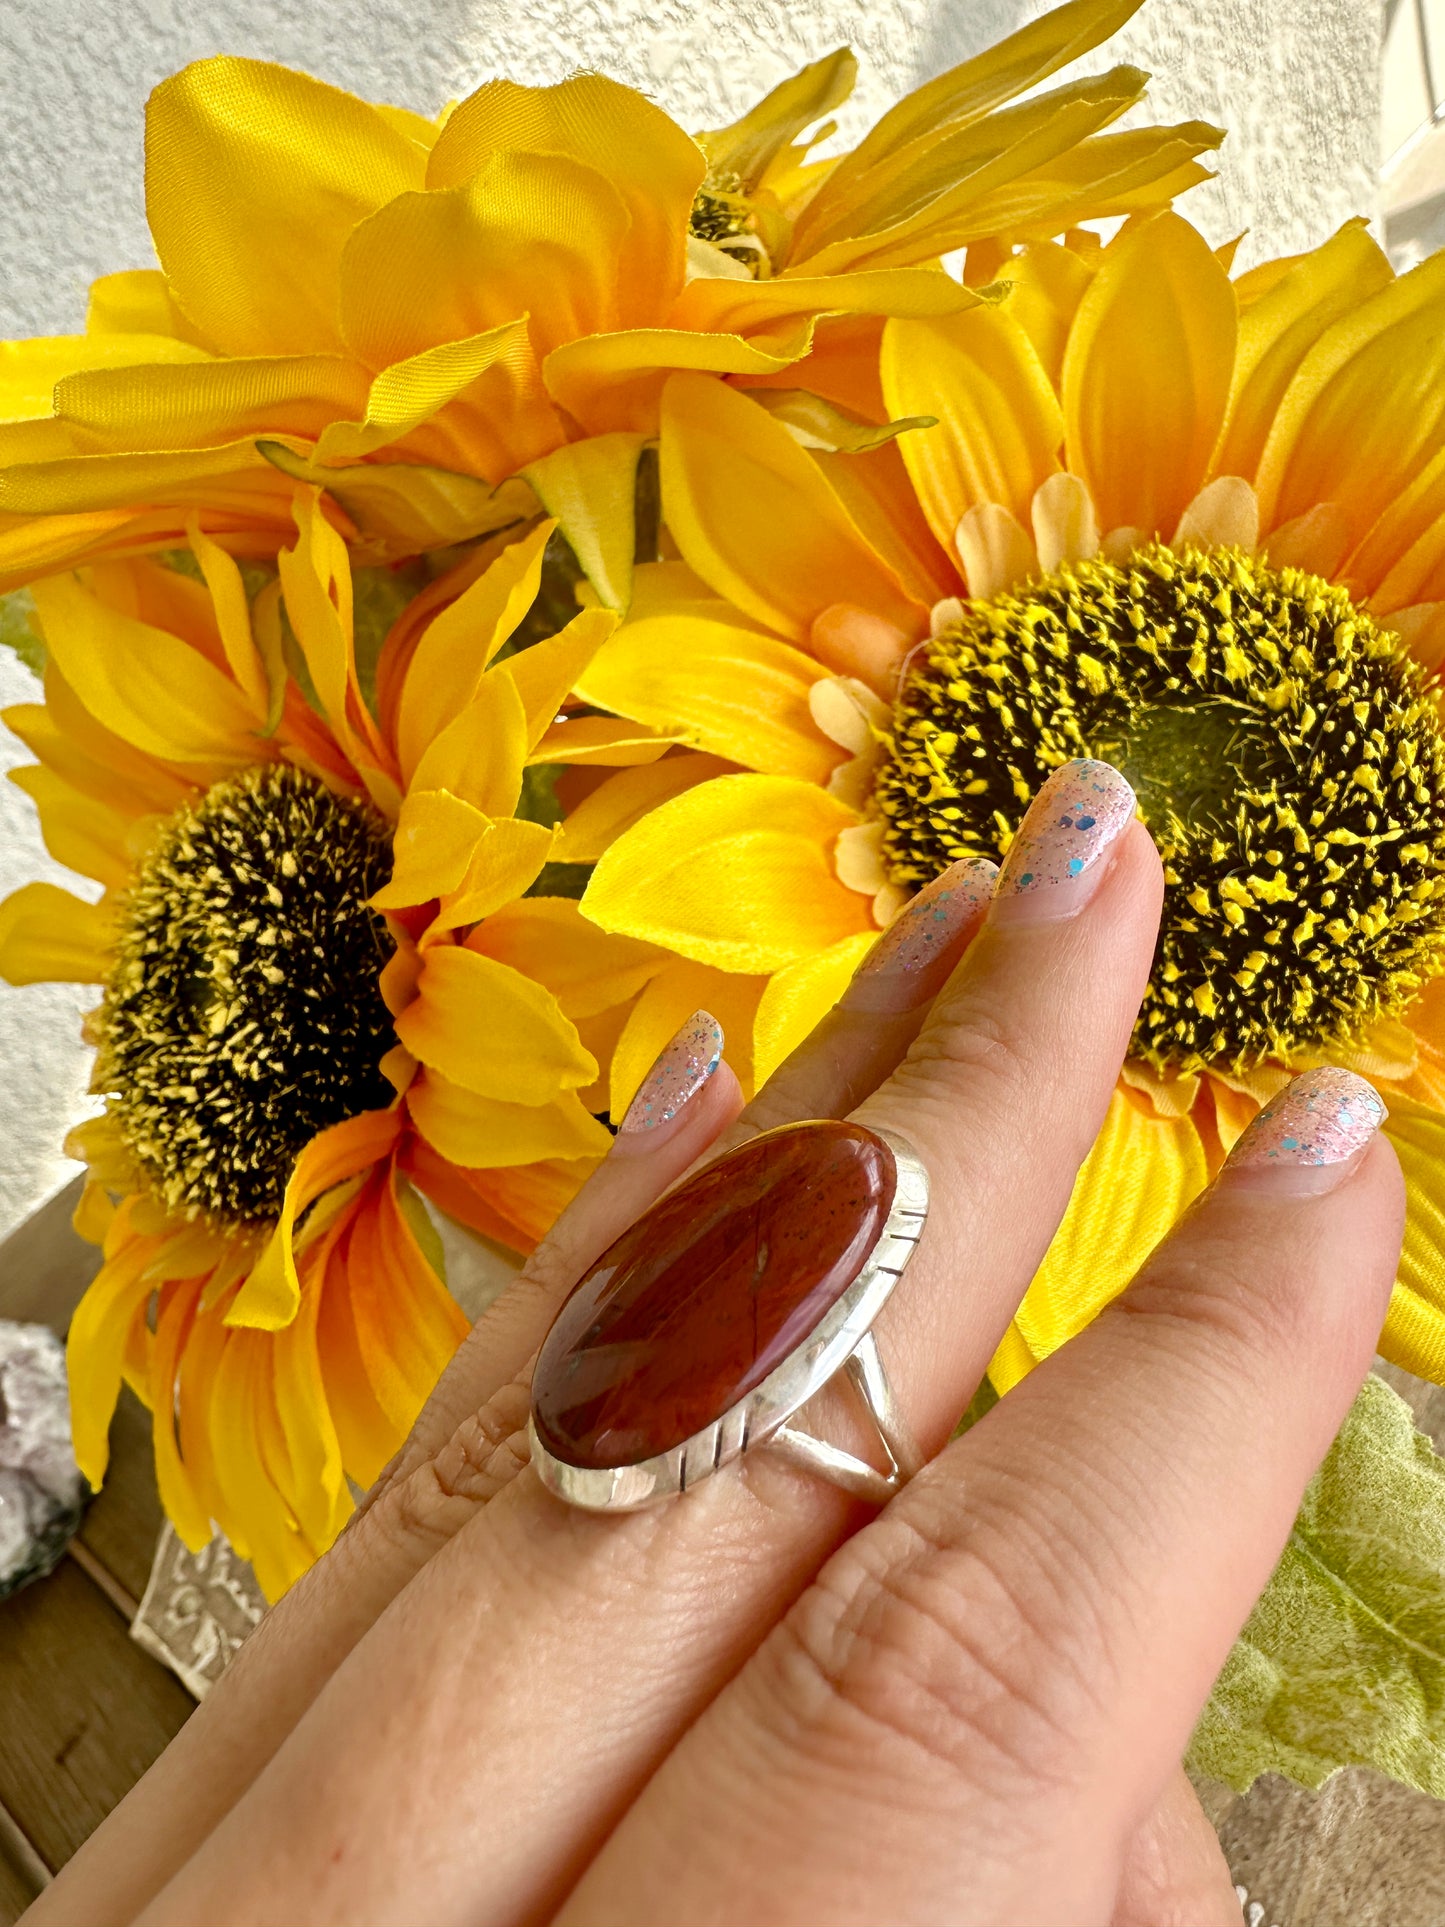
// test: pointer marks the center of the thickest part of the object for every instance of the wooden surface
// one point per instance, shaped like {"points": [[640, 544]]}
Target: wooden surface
{"points": [[83, 1709]]}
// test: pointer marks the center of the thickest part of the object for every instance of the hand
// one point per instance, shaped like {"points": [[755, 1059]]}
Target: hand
{"points": [[760, 1703]]}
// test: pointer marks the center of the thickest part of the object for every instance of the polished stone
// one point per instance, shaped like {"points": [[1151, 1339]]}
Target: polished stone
{"points": [[708, 1292]]}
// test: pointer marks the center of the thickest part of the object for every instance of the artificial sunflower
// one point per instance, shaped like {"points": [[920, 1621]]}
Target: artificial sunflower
{"points": [[325, 990], [1193, 525], [450, 324]]}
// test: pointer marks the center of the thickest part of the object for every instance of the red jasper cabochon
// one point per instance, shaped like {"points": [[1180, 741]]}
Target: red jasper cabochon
{"points": [[693, 1306]]}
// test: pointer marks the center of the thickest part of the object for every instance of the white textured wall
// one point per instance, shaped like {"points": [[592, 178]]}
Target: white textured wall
{"points": [[1295, 80]]}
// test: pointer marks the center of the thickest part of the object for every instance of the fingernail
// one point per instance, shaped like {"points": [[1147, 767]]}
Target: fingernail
{"points": [[1057, 858], [1305, 1139], [678, 1074], [908, 962]]}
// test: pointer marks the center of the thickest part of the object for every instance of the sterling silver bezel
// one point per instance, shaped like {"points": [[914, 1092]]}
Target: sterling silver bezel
{"points": [[755, 1419]]}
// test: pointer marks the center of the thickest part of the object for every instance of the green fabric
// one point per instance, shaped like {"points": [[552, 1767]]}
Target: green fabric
{"points": [[17, 632], [1342, 1662]]}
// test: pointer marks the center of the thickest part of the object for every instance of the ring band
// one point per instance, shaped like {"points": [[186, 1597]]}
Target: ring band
{"points": [[706, 1328]]}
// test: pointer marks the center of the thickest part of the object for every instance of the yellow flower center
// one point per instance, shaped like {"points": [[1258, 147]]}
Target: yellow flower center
{"points": [[243, 1013], [1288, 758]]}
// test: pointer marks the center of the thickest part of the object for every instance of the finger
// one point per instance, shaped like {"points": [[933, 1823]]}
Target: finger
{"points": [[538, 1610], [1175, 1873], [871, 1028], [688, 1098], [1010, 1661]]}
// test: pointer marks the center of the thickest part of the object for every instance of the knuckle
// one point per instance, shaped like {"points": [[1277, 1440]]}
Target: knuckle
{"points": [[484, 1454], [1222, 1301], [938, 1652]]}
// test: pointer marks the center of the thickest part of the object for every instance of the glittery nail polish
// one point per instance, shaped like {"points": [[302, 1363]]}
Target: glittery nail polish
{"points": [[1320, 1120], [678, 1074], [905, 965], [1054, 862]]}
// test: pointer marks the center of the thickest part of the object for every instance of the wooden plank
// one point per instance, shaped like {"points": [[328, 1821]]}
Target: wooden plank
{"points": [[85, 1710], [124, 1518], [44, 1266], [23, 1873]]}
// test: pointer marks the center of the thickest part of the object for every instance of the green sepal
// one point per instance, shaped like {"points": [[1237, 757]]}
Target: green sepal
{"points": [[1342, 1662]]}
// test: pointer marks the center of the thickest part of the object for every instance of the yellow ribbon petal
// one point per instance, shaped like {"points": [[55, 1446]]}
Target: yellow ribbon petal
{"points": [[589, 488], [1133, 1186], [1147, 373], [486, 1132], [1414, 1334], [450, 659], [736, 873], [999, 424], [492, 1030], [586, 969], [798, 998], [718, 687], [736, 489], [255, 177], [49, 936]]}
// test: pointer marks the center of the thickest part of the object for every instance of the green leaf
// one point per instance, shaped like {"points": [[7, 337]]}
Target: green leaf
{"points": [[378, 598], [18, 631], [1342, 1662]]}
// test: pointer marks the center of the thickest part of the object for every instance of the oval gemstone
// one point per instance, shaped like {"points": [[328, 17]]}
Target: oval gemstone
{"points": [[693, 1306]]}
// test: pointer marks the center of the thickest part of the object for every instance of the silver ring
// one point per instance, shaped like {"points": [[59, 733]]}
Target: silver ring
{"points": [[840, 1341]]}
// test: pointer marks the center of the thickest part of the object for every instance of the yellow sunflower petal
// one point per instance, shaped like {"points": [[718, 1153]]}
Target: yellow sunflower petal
{"points": [[161, 407], [1147, 373], [404, 507], [1046, 283], [96, 1342], [30, 370], [1414, 1334], [545, 673], [492, 1030], [504, 865], [599, 739], [1277, 331], [976, 87], [647, 157], [318, 1485], [1135, 1182], [436, 835], [79, 831], [589, 488], [233, 617], [446, 669], [182, 1502], [255, 176], [666, 1003], [49, 936], [476, 1131], [624, 799], [149, 687], [486, 389], [586, 969], [999, 424], [716, 687], [737, 873], [798, 998], [737, 307], [481, 755], [746, 147], [1365, 409], [136, 301], [482, 251], [736, 488], [614, 382], [271, 1294]]}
